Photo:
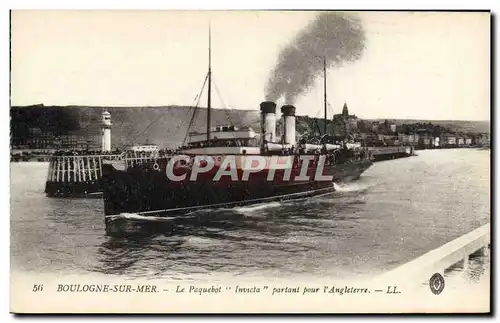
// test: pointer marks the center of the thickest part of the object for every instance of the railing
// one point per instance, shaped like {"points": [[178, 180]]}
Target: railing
{"points": [[83, 168], [438, 260]]}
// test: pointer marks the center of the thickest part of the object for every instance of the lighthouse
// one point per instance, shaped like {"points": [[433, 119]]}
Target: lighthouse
{"points": [[106, 131]]}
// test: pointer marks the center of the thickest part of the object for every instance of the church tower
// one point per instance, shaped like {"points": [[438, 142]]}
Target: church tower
{"points": [[345, 110]]}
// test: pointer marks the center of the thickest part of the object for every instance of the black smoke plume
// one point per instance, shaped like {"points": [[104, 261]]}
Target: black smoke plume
{"points": [[337, 36]]}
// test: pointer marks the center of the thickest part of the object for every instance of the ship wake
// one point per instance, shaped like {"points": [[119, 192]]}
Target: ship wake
{"points": [[137, 216], [351, 187], [257, 207]]}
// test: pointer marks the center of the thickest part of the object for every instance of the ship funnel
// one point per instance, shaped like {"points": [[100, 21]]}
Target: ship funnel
{"points": [[288, 112], [268, 121]]}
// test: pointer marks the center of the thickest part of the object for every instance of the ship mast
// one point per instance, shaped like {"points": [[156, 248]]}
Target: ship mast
{"points": [[209, 96]]}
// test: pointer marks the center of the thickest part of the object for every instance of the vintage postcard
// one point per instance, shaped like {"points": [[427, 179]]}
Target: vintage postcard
{"points": [[250, 162]]}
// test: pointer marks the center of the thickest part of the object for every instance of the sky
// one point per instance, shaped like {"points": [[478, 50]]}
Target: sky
{"points": [[433, 66]]}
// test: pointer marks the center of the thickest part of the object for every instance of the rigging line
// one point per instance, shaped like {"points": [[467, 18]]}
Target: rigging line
{"points": [[127, 136], [197, 97], [195, 110], [315, 122], [331, 108], [130, 132], [202, 88], [226, 111], [195, 104], [150, 124]]}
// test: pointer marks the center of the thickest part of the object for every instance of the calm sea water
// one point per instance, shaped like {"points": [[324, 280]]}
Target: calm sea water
{"points": [[397, 211]]}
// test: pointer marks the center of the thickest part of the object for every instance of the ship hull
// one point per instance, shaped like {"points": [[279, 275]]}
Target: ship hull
{"points": [[147, 224], [142, 200]]}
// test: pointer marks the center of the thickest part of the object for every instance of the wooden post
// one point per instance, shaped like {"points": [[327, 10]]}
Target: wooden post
{"points": [[67, 168], [57, 169], [100, 166], [84, 174], [68, 160], [75, 169], [79, 171], [71, 169], [95, 167], [49, 171], [51, 165], [64, 169], [80, 168], [464, 263], [54, 170], [49, 175], [63, 166], [88, 167]]}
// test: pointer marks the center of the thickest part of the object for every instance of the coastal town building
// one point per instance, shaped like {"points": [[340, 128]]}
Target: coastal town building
{"points": [[344, 123]]}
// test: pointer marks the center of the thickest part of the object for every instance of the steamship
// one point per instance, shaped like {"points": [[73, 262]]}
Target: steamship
{"points": [[142, 198]]}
